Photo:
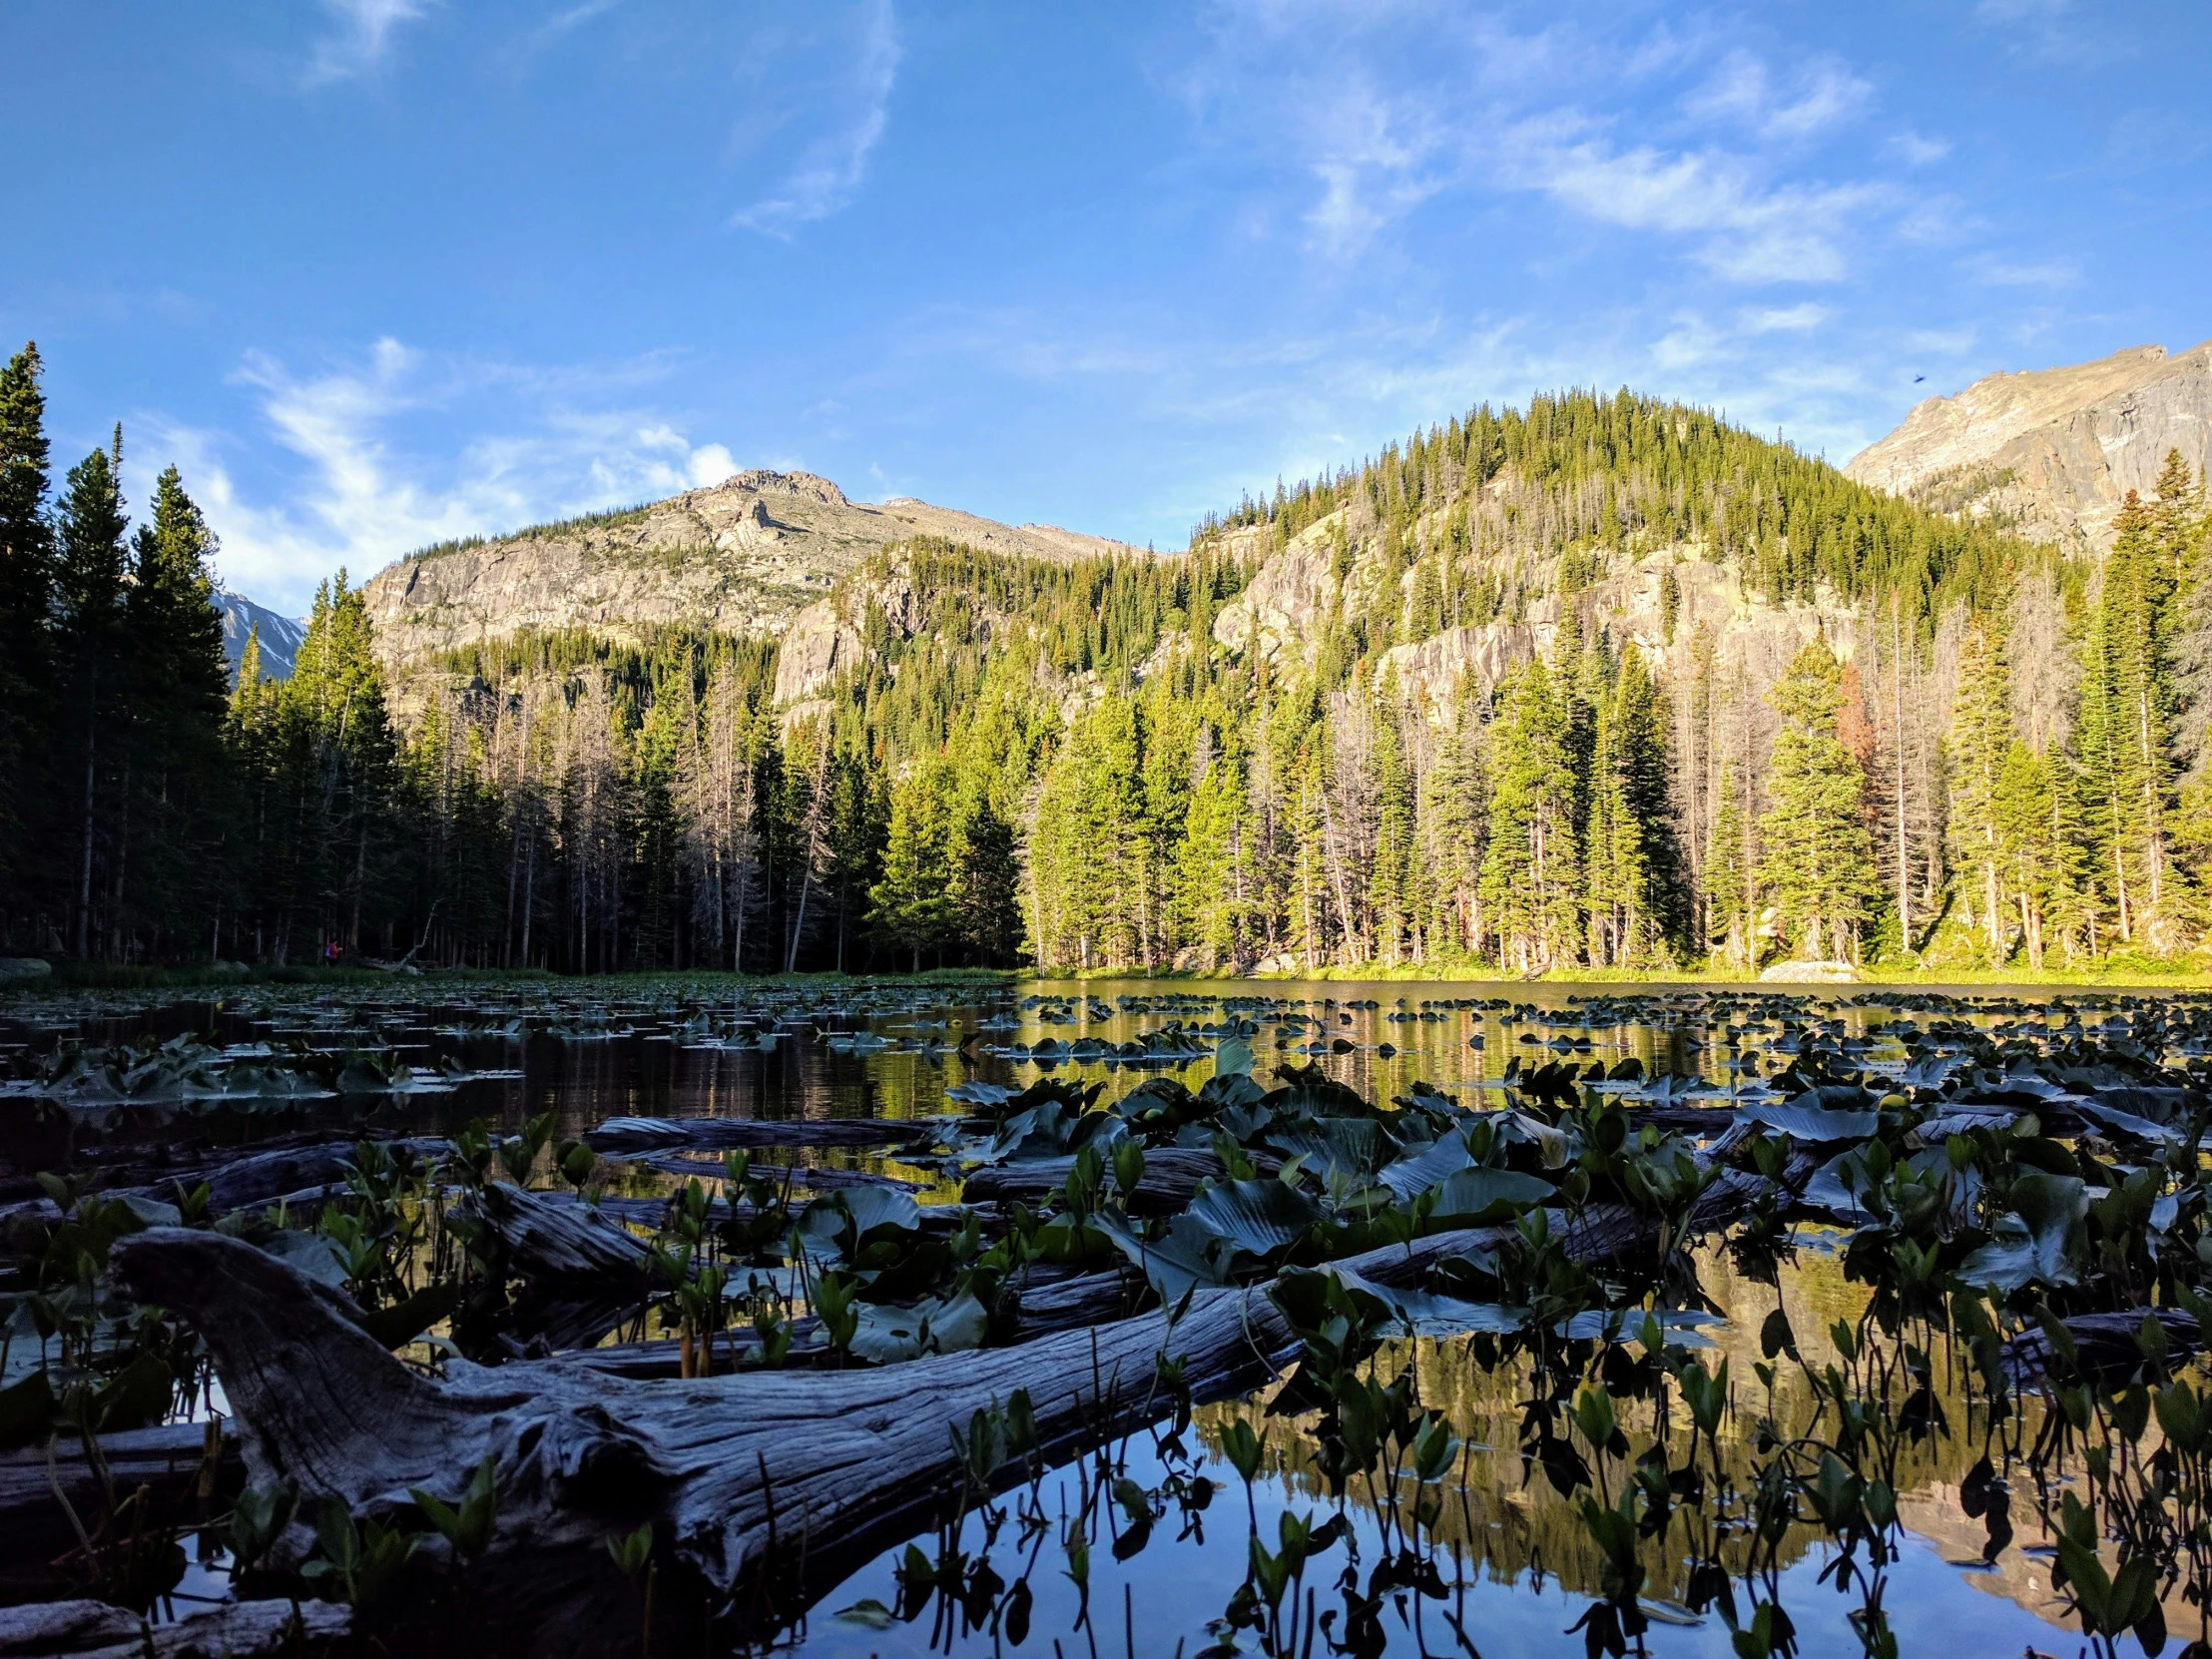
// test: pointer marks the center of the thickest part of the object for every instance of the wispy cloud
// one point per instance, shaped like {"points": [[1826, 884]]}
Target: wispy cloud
{"points": [[831, 166], [1791, 320], [2024, 274], [1916, 150], [364, 498], [1744, 228], [2056, 31], [359, 38], [1383, 113], [1744, 91]]}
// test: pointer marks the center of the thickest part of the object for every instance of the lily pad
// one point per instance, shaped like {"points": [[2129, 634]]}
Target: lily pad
{"points": [[1257, 1216]]}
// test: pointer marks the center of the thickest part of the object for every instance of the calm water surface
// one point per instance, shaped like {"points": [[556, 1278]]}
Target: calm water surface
{"points": [[1512, 1566]]}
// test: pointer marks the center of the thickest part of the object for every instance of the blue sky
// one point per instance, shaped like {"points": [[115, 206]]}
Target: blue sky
{"points": [[376, 273]]}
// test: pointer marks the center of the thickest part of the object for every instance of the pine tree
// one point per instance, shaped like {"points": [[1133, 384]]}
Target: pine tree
{"points": [[2124, 734], [1635, 891], [177, 680], [986, 882], [911, 904], [1731, 901], [1817, 863], [89, 590], [1976, 754], [26, 597], [1531, 875]]}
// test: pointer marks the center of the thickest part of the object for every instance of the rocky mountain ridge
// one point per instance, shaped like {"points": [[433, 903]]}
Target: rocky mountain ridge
{"points": [[2051, 452], [744, 556]]}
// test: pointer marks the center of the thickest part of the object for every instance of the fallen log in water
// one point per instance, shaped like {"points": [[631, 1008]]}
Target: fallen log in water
{"points": [[626, 1137], [814, 1471], [762, 1487], [1171, 1176], [182, 1483], [2106, 1346], [236, 1630], [816, 1179]]}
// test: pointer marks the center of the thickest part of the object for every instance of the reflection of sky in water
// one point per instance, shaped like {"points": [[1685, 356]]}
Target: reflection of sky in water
{"points": [[1172, 1589], [599, 1051]]}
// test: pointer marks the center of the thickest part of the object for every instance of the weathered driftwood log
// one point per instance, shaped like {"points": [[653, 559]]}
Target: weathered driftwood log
{"points": [[238, 1630], [171, 1463], [298, 1175], [626, 1137], [581, 1273], [264, 1177], [1171, 1177], [817, 1180], [807, 1474], [762, 1487], [2106, 1345]]}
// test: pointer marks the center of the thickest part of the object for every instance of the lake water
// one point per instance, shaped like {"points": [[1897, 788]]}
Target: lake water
{"points": [[1504, 1565]]}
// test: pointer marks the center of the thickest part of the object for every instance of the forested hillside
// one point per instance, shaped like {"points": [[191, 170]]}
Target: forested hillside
{"points": [[1601, 683]]}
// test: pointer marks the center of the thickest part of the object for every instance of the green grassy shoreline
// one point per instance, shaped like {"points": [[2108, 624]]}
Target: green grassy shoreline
{"points": [[2184, 975]]}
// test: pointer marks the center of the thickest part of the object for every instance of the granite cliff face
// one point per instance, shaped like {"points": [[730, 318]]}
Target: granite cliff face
{"points": [[1281, 616], [2054, 452], [744, 557]]}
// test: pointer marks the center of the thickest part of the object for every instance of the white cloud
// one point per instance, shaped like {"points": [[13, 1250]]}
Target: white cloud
{"points": [[2022, 273], [360, 37], [361, 499], [1746, 230], [1374, 149], [1382, 110], [2047, 29], [1914, 150], [1791, 320], [830, 168], [1742, 91]]}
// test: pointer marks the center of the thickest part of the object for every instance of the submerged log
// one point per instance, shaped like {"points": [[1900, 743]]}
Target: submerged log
{"points": [[238, 1630], [2106, 1346], [627, 1137], [817, 1180], [173, 1466], [1171, 1178]]}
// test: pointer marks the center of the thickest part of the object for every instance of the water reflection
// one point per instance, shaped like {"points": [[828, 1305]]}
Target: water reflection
{"points": [[1503, 1564]]}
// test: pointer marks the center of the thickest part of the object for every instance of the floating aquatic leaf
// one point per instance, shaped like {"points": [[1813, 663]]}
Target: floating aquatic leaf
{"points": [[1819, 1116], [1257, 1217], [887, 1334], [310, 1253], [1473, 1197], [853, 1215], [2038, 1241], [1190, 1257], [1417, 1172]]}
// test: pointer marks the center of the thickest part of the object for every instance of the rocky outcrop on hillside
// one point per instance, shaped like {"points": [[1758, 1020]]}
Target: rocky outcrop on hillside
{"points": [[2051, 452], [744, 557], [1284, 612]]}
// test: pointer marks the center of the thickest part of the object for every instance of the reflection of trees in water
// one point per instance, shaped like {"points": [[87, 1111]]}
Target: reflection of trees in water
{"points": [[1505, 1514]]}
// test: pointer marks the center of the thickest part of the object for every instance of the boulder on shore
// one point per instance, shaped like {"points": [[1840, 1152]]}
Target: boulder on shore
{"points": [[1809, 973]]}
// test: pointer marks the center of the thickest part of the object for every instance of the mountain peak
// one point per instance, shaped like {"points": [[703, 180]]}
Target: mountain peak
{"points": [[744, 556], [2051, 452]]}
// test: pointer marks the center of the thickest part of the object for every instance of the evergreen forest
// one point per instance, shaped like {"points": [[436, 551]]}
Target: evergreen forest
{"points": [[1601, 685]]}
